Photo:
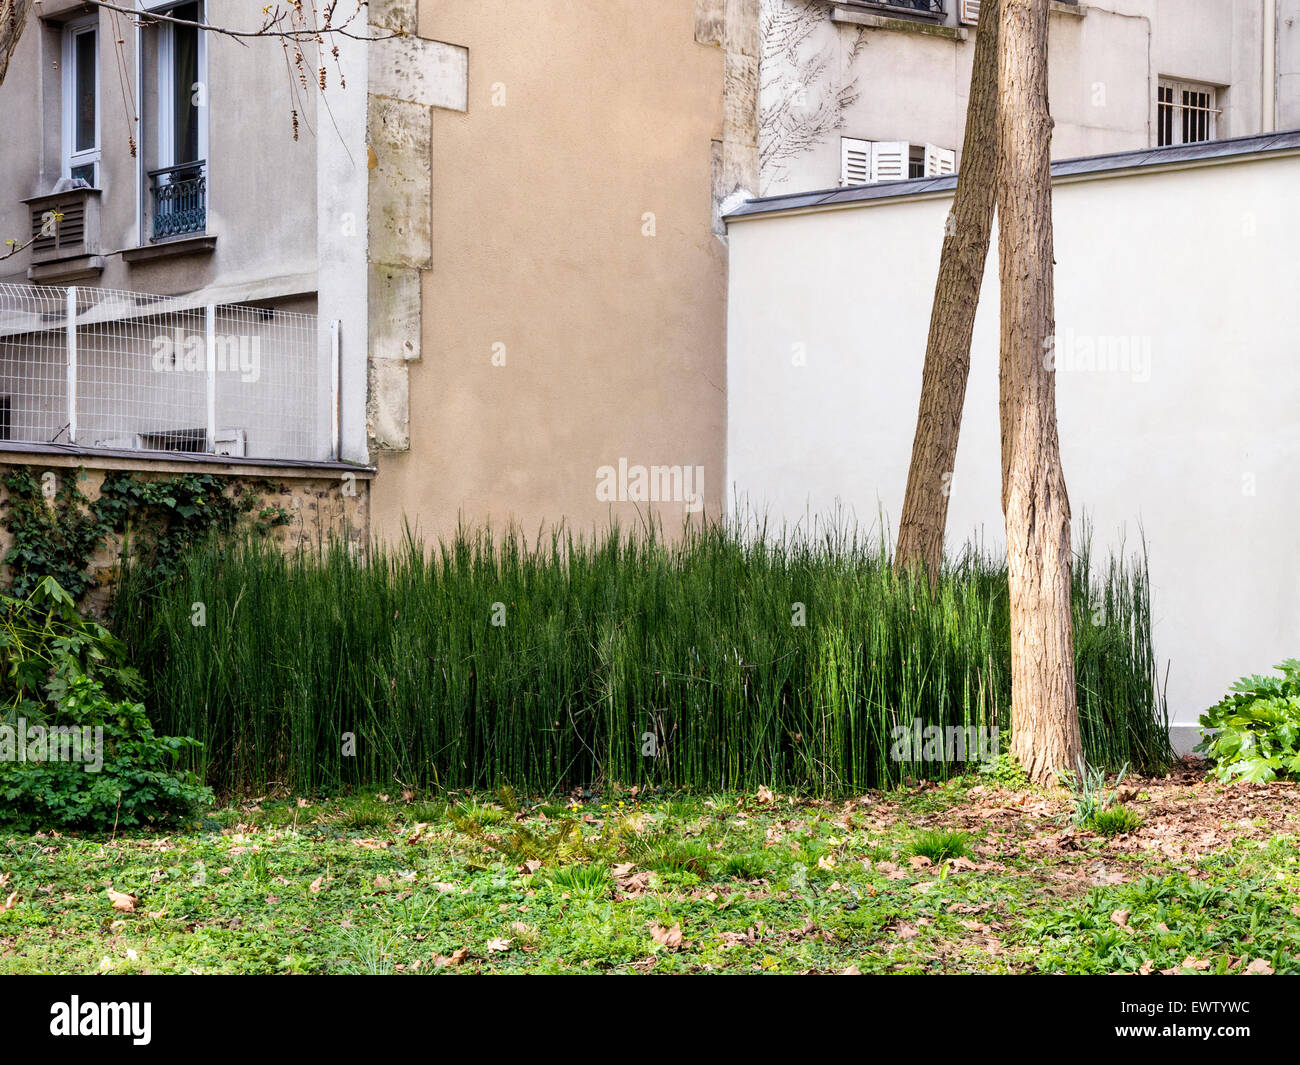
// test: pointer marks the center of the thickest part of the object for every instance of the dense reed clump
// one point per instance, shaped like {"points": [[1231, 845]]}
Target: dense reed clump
{"points": [[719, 661]]}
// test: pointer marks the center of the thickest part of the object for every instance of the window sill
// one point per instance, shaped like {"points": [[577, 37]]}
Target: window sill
{"points": [[78, 268], [199, 244], [853, 15]]}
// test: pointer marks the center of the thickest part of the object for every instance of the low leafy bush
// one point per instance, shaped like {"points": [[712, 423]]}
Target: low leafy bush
{"points": [[1257, 725], [1006, 772], [77, 749]]}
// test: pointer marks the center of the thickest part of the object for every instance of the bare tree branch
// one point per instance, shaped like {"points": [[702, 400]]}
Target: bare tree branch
{"points": [[279, 22]]}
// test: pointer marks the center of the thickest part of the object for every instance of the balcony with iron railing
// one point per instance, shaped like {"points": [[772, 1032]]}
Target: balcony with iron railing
{"points": [[926, 9], [180, 200]]}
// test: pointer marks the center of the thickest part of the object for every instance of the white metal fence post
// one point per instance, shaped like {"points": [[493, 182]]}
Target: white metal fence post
{"points": [[211, 338], [335, 367], [72, 363]]}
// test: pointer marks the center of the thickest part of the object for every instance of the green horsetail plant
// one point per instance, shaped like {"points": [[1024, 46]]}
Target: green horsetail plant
{"points": [[722, 660]]}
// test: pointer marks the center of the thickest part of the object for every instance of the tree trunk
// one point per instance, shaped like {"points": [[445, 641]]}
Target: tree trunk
{"points": [[952, 316], [13, 16], [1044, 712]]}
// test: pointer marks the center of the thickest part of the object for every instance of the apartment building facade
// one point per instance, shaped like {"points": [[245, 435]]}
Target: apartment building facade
{"points": [[477, 284], [858, 91]]}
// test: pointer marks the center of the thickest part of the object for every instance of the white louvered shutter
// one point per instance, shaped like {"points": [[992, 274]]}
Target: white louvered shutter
{"points": [[889, 160], [970, 12], [855, 161], [939, 161]]}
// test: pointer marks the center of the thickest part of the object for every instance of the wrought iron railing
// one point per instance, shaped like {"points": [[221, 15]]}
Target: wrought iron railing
{"points": [[928, 8], [180, 199]]}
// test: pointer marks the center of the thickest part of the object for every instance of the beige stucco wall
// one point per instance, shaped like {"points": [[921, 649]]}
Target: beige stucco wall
{"points": [[1105, 59], [612, 340]]}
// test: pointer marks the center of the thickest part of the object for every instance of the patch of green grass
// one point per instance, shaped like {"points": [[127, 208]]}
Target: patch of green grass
{"points": [[940, 844], [582, 881], [364, 814], [1164, 922], [797, 886], [745, 866], [1115, 821]]}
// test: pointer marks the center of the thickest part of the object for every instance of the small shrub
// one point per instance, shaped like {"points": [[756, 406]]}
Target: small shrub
{"points": [[1115, 821], [1089, 791], [1258, 728], [939, 844], [99, 764], [1006, 772]]}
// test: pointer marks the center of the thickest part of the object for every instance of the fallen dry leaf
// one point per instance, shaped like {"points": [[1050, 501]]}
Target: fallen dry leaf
{"points": [[457, 957], [669, 937], [10, 902], [122, 901], [316, 885], [1259, 967], [497, 945], [1120, 917]]}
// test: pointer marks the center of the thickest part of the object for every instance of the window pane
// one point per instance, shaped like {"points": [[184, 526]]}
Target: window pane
{"points": [[185, 74], [83, 59], [86, 172]]}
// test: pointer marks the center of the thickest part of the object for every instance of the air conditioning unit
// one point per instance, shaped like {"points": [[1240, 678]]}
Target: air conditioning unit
{"points": [[121, 443], [969, 12], [230, 442]]}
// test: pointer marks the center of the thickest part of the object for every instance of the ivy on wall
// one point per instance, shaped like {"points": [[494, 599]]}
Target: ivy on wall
{"points": [[57, 531]]}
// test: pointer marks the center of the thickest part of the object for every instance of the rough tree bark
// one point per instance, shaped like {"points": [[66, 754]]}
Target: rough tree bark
{"points": [[13, 16], [952, 315], [1044, 711]]}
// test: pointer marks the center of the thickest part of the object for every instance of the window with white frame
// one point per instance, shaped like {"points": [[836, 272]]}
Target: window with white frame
{"points": [[80, 90], [178, 170], [182, 87], [864, 162], [1186, 112]]}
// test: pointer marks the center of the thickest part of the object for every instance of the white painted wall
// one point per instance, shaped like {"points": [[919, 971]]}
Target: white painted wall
{"points": [[1198, 263]]}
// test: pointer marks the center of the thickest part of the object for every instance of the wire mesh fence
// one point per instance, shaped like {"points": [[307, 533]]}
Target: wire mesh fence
{"points": [[103, 368]]}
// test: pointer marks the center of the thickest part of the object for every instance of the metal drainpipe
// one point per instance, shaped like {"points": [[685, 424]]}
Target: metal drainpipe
{"points": [[1268, 75]]}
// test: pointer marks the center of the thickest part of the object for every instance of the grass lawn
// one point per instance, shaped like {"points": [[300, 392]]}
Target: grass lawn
{"points": [[1209, 882]]}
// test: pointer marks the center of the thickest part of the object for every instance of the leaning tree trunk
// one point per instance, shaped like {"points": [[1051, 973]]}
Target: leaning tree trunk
{"points": [[1044, 712], [952, 316]]}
